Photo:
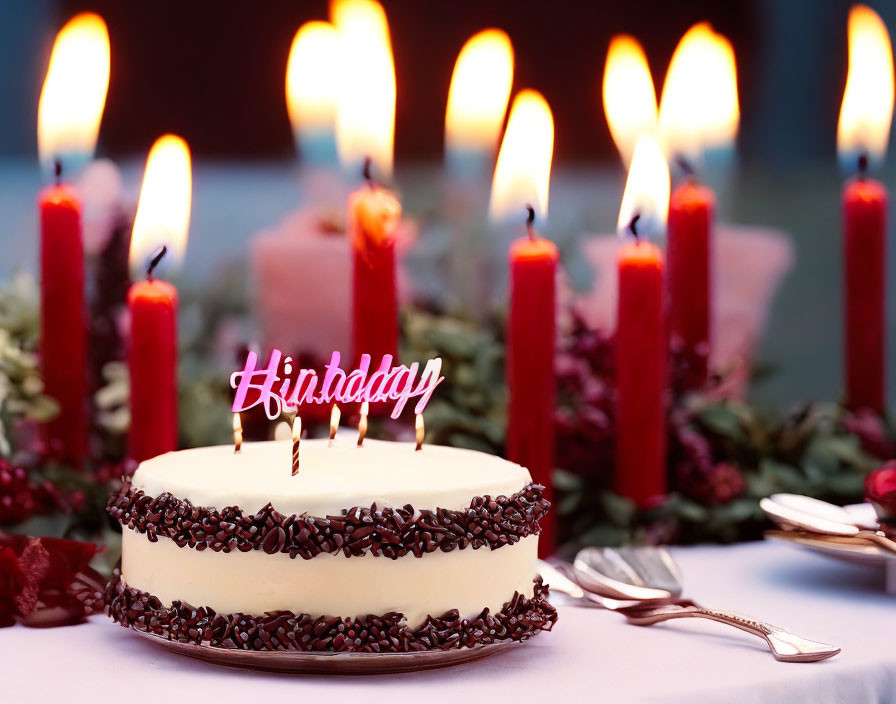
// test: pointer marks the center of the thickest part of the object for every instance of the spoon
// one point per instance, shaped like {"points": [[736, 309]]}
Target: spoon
{"points": [[555, 578], [645, 574], [631, 571], [823, 509], [821, 517]]}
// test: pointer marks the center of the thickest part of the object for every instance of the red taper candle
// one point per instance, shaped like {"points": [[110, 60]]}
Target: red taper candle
{"points": [[63, 341], [373, 215], [864, 262], [640, 352], [152, 359], [689, 276], [530, 366]]}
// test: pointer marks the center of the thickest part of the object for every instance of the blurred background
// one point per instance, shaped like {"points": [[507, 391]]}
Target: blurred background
{"points": [[213, 73]]}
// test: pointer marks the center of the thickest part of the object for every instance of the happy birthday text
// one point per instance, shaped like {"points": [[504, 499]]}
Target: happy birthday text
{"points": [[286, 393]]}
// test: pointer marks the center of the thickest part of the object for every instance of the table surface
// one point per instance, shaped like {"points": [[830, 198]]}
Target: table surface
{"points": [[591, 652]]}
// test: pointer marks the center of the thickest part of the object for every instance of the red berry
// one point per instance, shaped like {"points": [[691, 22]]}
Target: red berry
{"points": [[880, 488], [16, 499]]}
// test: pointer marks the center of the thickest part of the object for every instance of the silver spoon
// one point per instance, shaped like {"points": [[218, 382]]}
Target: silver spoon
{"points": [[620, 574], [555, 576], [820, 517], [632, 570], [822, 509]]}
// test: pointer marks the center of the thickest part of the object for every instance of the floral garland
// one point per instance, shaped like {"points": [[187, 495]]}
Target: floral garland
{"points": [[44, 581], [724, 454]]}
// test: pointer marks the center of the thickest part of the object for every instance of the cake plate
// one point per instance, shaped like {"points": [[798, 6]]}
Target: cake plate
{"points": [[324, 663], [845, 549]]}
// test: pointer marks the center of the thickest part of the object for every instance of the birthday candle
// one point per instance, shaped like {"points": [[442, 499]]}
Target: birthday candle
{"points": [[160, 229], [862, 136], [69, 113], [640, 339]]}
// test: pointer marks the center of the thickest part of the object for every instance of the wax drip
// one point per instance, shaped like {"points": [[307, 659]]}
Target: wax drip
{"points": [[154, 262], [863, 165], [365, 171], [530, 222], [57, 170], [633, 227]]}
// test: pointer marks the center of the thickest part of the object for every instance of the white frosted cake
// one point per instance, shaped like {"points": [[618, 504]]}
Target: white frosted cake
{"points": [[377, 548]]}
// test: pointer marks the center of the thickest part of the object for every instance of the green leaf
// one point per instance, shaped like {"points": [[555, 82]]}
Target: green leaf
{"points": [[738, 511], [847, 449], [619, 510], [782, 477], [847, 485], [721, 420], [688, 510], [605, 536], [53, 526], [567, 481], [568, 504]]}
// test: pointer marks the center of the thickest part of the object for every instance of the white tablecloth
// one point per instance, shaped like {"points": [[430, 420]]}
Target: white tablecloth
{"points": [[592, 654]]}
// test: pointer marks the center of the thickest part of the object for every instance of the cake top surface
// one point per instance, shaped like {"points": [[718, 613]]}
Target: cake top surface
{"points": [[331, 477]]}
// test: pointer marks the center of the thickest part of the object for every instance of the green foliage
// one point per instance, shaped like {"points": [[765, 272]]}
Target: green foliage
{"points": [[809, 450], [21, 388], [213, 320], [469, 408], [747, 452]]}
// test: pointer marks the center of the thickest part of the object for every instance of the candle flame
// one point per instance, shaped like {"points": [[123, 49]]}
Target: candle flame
{"points": [[628, 94], [74, 91], [335, 415], [867, 111], [699, 108], [479, 92], [523, 171], [296, 429], [237, 433], [419, 431], [365, 118], [362, 424], [646, 194], [311, 79], [163, 211]]}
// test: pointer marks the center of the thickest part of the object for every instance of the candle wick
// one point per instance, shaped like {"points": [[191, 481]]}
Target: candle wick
{"points": [[530, 221], [685, 166], [365, 171], [154, 262], [863, 164], [57, 170], [633, 227]]}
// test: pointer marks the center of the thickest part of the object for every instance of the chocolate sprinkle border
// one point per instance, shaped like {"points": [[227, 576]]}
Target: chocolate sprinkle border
{"points": [[519, 619], [389, 532]]}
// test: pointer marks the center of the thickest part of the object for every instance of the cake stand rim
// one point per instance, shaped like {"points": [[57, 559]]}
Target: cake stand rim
{"points": [[330, 663]]}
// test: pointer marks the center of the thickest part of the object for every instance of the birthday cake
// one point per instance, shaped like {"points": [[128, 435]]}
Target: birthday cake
{"points": [[377, 548]]}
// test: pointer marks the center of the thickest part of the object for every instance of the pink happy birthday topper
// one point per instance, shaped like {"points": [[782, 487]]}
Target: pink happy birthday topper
{"points": [[387, 383]]}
